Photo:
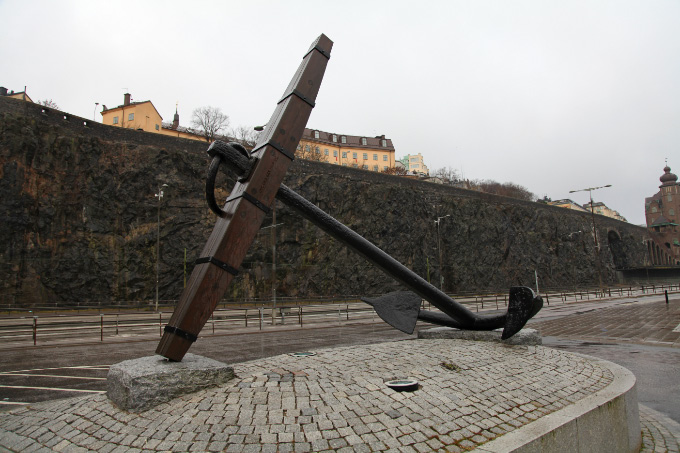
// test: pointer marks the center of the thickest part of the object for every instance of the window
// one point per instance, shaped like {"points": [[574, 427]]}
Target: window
{"points": [[375, 168], [344, 154], [316, 134], [344, 165], [383, 143], [343, 139], [354, 165], [131, 117], [335, 138], [671, 212], [385, 168], [317, 150], [325, 151], [307, 148], [115, 120], [375, 157], [384, 157], [157, 128], [335, 153], [669, 197], [365, 167], [299, 148], [365, 156], [354, 155], [363, 140]]}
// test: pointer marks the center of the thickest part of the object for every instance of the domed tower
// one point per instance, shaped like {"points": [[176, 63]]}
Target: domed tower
{"points": [[668, 178], [662, 212]]}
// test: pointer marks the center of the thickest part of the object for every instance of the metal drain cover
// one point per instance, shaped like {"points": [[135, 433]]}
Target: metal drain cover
{"points": [[302, 354], [403, 385]]}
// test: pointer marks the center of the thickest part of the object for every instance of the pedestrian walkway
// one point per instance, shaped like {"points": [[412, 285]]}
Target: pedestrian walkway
{"points": [[653, 322], [335, 400], [659, 433]]}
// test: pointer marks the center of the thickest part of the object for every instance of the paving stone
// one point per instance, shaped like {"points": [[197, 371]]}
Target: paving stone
{"points": [[315, 405]]}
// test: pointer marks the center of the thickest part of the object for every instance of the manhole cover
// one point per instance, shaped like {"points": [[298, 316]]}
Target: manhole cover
{"points": [[302, 354], [403, 385]]}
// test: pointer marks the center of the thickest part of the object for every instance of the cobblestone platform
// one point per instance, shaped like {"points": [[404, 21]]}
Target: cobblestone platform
{"points": [[336, 400]]}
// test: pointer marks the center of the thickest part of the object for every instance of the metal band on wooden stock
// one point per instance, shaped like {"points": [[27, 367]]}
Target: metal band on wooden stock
{"points": [[221, 264], [181, 333]]}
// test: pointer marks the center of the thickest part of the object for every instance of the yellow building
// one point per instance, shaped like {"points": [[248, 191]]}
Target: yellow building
{"points": [[602, 209], [567, 203], [19, 95], [368, 153], [143, 116]]}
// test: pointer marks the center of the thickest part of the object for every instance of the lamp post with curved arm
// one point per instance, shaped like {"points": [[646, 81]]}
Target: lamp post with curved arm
{"points": [[159, 195], [592, 216], [439, 248]]}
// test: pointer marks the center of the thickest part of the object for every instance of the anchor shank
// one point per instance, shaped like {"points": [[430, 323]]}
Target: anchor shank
{"points": [[378, 257]]}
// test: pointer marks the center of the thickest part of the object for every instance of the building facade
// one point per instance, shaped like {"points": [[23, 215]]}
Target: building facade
{"points": [[18, 95], [602, 209], [662, 213], [568, 204], [414, 163], [143, 116], [368, 153]]}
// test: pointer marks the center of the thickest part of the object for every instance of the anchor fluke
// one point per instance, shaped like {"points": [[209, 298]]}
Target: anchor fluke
{"points": [[522, 306], [399, 309]]}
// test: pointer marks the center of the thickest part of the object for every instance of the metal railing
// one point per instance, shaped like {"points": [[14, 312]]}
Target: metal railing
{"points": [[125, 325]]}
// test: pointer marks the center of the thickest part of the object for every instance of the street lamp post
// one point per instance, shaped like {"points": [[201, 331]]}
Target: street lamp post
{"points": [[592, 216], [94, 114], [159, 195], [439, 247]]}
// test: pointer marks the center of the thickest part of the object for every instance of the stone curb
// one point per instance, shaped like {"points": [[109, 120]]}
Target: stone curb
{"points": [[582, 425]]}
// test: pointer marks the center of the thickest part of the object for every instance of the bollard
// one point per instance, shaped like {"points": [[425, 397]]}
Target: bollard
{"points": [[347, 312], [101, 331], [300, 314], [547, 301], [35, 330], [116, 324], [212, 321], [666, 292], [160, 323], [261, 316], [246, 316]]}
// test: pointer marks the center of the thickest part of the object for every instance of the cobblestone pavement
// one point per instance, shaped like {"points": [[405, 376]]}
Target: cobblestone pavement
{"points": [[659, 433], [287, 403]]}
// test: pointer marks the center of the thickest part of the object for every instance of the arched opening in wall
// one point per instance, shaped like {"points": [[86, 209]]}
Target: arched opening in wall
{"points": [[618, 250]]}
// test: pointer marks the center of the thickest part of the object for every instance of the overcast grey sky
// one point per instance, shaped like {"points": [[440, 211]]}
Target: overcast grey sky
{"points": [[552, 95]]}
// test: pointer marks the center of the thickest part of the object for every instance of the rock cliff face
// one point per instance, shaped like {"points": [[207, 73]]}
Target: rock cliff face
{"points": [[80, 224]]}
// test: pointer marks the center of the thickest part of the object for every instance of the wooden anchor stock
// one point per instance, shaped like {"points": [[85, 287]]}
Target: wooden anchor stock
{"points": [[247, 206]]}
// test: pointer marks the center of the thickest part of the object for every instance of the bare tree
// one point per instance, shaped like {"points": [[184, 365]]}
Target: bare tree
{"points": [[210, 121], [49, 103], [310, 151], [246, 136], [507, 189], [400, 171], [447, 174]]}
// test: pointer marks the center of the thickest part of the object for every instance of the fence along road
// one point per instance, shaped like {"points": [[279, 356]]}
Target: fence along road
{"points": [[54, 329]]}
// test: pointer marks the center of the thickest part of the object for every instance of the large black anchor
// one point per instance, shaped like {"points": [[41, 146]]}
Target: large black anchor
{"points": [[400, 309]]}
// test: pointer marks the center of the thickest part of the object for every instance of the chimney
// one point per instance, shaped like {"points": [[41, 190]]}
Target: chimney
{"points": [[126, 99], [3, 91]]}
